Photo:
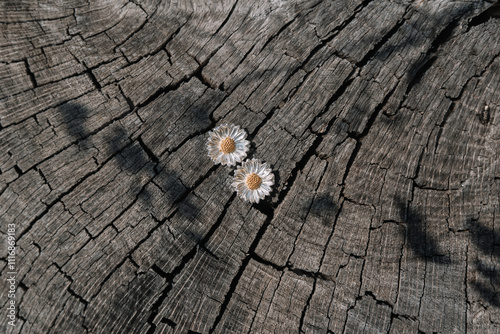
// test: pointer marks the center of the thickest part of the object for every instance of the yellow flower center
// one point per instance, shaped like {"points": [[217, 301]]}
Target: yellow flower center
{"points": [[253, 181], [227, 145]]}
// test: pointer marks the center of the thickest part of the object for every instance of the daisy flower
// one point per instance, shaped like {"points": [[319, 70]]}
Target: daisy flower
{"points": [[227, 145], [253, 180]]}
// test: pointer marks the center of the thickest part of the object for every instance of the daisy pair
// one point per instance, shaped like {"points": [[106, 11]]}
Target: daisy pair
{"points": [[227, 145]]}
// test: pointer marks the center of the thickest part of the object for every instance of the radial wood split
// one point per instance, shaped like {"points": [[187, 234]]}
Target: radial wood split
{"points": [[384, 213]]}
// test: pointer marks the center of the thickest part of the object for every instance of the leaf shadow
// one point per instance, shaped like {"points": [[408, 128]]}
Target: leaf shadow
{"points": [[486, 240], [418, 239], [75, 117], [325, 208]]}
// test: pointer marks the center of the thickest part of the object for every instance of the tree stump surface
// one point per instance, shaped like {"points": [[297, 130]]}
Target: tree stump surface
{"points": [[384, 216]]}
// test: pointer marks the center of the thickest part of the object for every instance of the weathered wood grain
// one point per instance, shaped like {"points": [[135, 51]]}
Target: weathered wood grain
{"points": [[384, 213]]}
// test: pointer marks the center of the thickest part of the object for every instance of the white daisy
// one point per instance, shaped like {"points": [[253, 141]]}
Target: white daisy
{"points": [[253, 180], [227, 145]]}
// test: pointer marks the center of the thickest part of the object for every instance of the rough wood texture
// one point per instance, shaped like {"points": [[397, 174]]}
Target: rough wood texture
{"points": [[385, 213]]}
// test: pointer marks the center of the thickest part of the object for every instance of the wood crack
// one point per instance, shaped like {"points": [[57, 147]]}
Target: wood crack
{"points": [[30, 73], [177, 270], [376, 48], [60, 197]]}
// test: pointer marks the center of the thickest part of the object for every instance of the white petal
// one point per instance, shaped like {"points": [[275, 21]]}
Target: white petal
{"points": [[265, 187], [269, 179], [239, 146], [255, 165], [251, 197], [240, 136], [264, 174], [248, 195], [234, 131], [256, 197]]}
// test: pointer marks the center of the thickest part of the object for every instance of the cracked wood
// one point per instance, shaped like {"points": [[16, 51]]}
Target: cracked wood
{"points": [[384, 215]]}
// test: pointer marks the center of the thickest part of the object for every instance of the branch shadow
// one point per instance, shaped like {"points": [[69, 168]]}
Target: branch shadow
{"points": [[133, 158], [486, 240], [450, 21], [420, 242], [325, 208], [130, 156], [130, 159], [75, 116]]}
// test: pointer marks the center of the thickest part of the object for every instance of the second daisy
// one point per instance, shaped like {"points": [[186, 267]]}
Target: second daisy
{"points": [[253, 180]]}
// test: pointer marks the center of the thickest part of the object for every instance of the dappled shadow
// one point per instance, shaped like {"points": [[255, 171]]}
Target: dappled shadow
{"points": [[169, 182], [163, 135], [323, 206], [439, 17], [117, 140], [421, 243], [488, 292], [75, 117], [188, 210], [137, 155], [448, 21], [130, 156], [486, 240]]}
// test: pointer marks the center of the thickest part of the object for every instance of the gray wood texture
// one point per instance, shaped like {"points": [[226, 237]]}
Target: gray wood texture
{"points": [[385, 213]]}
